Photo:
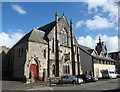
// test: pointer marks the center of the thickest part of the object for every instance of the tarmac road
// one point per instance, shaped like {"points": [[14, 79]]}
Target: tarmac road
{"points": [[103, 84]]}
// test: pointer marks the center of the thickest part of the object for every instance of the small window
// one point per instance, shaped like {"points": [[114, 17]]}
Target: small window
{"points": [[22, 52], [44, 53], [19, 55], [52, 45]]}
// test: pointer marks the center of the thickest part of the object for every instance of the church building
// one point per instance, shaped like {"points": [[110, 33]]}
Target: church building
{"points": [[49, 51]]}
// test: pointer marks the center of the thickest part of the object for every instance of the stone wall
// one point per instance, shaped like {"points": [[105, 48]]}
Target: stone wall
{"points": [[18, 59], [35, 52]]}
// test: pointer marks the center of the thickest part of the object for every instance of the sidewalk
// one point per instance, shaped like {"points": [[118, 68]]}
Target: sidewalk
{"points": [[18, 85], [15, 85]]}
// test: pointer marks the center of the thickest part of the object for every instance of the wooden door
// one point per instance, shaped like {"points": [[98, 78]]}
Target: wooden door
{"points": [[34, 69]]}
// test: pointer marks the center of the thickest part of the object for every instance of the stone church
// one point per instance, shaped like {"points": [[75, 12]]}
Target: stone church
{"points": [[49, 51]]}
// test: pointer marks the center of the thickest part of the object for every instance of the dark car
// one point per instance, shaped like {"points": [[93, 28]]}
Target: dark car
{"points": [[86, 78]]}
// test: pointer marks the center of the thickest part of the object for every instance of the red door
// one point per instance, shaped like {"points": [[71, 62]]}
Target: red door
{"points": [[34, 69]]}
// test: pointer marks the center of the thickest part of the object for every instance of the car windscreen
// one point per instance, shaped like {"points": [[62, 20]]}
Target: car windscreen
{"points": [[111, 72], [72, 76], [88, 76], [105, 72]]}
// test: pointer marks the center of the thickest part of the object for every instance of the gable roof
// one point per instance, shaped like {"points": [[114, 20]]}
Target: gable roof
{"points": [[48, 27], [33, 35], [38, 36]]}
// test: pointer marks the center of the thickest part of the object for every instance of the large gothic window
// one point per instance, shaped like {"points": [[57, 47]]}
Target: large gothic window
{"points": [[64, 39]]}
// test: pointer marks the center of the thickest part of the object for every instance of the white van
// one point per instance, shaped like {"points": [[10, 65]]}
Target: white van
{"points": [[109, 74]]}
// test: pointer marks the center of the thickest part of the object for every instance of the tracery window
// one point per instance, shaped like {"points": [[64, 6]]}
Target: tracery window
{"points": [[64, 39]]}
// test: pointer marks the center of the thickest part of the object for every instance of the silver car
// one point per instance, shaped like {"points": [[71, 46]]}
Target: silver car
{"points": [[70, 79]]}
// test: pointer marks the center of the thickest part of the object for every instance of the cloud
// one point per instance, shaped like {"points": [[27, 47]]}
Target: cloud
{"points": [[110, 42], [108, 6], [9, 40], [79, 24], [98, 23], [19, 9]]}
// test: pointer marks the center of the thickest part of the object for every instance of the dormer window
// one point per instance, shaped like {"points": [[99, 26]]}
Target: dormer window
{"points": [[64, 39]]}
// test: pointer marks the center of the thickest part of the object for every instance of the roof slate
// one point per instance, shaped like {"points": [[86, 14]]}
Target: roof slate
{"points": [[88, 51], [48, 27], [38, 36]]}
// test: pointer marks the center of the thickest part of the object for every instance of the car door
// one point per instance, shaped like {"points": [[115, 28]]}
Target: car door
{"points": [[65, 79]]}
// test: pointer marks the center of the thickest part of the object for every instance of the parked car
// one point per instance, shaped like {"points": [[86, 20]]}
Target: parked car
{"points": [[87, 78], [70, 79], [118, 75], [96, 79]]}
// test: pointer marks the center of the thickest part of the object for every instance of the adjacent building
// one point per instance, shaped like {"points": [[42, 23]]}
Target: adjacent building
{"points": [[93, 61], [116, 57], [4, 58]]}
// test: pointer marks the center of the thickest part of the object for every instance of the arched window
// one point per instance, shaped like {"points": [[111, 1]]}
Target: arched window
{"points": [[64, 39], [53, 71], [68, 69], [44, 53], [52, 45]]}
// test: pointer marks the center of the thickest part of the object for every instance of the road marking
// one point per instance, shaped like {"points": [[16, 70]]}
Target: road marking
{"points": [[50, 88]]}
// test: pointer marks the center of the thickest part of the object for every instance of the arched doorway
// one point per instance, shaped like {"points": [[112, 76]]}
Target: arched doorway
{"points": [[34, 71]]}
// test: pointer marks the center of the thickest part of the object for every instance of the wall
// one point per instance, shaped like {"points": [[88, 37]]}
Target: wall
{"points": [[99, 67], [35, 50], [18, 59], [86, 61]]}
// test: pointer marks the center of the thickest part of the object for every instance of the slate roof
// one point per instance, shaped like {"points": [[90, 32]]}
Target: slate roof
{"points": [[48, 27], [86, 49], [34, 35], [103, 58], [89, 51]]}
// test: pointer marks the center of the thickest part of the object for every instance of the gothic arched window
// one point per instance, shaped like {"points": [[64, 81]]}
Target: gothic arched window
{"points": [[64, 39], [53, 71]]}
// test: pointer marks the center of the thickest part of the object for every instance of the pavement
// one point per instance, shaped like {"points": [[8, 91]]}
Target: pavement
{"points": [[100, 85], [19, 85], [40, 85]]}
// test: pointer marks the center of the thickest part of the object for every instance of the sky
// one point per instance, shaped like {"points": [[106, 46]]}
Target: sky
{"points": [[90, 20]]}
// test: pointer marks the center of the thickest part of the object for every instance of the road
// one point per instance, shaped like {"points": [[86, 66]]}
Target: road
{"points": [[103, 84]]}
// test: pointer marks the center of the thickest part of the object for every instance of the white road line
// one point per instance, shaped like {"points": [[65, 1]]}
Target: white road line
{"points": [[50, 88]]}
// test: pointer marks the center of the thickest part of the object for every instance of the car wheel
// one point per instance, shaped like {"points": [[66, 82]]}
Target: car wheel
{"points": [[74, 82], [60, 82]]}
